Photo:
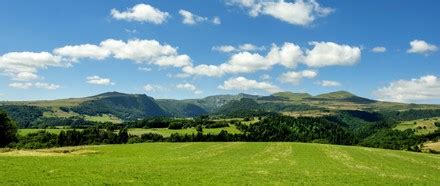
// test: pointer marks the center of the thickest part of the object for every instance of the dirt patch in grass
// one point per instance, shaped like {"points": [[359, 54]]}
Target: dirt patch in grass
{"points": [[66, 151]]}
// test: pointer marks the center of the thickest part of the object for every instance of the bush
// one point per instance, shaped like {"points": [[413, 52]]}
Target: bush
{"points": [[175, 126], [217, 125], [151, 137]]}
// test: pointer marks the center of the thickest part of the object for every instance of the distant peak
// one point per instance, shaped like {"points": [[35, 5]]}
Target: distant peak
{"points": [[337, 95], [291, 95], [116, 94]]}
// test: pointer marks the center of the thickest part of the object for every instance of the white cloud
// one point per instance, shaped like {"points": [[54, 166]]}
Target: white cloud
{"points": [[245, 62], [379, 49], [40, 85], [421, 47], [82, 51], [205, 70], [247, 47], [99, 80], [329, 53], [190, 18], [224, 48], [24, 66], [152, 88], [241, 83], [295, 77], [48, 86], [328, 83], [300, 12], [216, 20], [140, 51], [146, 51], [146, 69], [141, 13], [423, 88], [288, 55], [190, 87], [21, 85]]}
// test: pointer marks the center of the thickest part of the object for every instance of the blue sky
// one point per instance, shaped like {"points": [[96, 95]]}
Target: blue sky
{"points": [[57, 49]]}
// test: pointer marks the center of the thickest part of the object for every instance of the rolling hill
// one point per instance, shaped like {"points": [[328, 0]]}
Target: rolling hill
{"points": [[121, 106]]}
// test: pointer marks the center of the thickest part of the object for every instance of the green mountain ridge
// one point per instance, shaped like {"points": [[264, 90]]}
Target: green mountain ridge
{"points": [[135, 106]]}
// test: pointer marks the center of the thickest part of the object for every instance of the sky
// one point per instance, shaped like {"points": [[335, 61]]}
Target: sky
{"points": [[385, 50]]}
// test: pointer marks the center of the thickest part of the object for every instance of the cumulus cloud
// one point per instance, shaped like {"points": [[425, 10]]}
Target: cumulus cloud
{"points": [[141, 13], [190, 87], [328, 83], [417, 89], [421, 47], [247, 47], [23, 66], [295, 77], [241, 83], [216, 20], [203, 70], [329, 53], [299, 12], [152, 88], [224, 48], [140, 51], [99, 80], [379, 49], [189, 18], [288, 55], [82, 51], [40, 85]]}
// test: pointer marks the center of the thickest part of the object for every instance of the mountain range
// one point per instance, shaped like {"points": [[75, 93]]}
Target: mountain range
{"points": [[134, 106]]}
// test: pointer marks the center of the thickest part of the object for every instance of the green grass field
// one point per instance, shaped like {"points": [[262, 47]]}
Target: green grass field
{"points": [[422, 126], [219, 164]]}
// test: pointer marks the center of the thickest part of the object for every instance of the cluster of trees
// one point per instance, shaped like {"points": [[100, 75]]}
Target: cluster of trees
{"points": [[90, 136], [8, 130], [411, 114], [171, 123], [23, 115], [301, 129]]}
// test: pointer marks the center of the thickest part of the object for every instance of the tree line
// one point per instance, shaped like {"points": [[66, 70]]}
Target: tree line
{"points": [[332, 130]]}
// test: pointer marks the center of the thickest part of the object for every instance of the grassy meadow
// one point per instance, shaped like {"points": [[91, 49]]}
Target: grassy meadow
{"points": [[219, 164], [421, 126], [139, 131]]}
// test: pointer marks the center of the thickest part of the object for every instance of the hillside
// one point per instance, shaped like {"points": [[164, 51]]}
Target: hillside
{"points": [[124, 106], [219, 163], [180, 108], [115, 106]]}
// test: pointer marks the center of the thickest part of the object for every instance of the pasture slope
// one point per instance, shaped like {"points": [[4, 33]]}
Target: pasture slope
{"points": [[219, 164]]}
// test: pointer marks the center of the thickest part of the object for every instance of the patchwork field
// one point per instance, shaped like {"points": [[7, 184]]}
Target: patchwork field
{"points": [[139, 131], [218, 163], [421, 126]]}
